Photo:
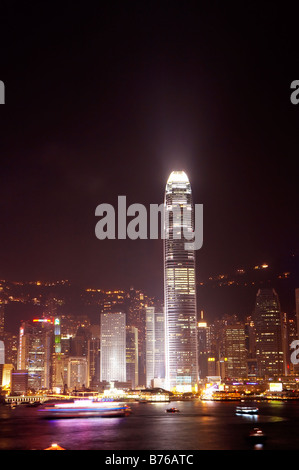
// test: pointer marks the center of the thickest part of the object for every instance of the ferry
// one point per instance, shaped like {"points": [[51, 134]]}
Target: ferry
{"points": [[257, 435], [172, 410], [84, 408], [247, 410]]}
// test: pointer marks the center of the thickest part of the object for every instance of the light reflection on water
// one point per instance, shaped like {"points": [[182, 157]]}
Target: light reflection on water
{"points": [[199, 425]]}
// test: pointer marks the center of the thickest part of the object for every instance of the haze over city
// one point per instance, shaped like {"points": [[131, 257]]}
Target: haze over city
{"points": [[101, 103]]}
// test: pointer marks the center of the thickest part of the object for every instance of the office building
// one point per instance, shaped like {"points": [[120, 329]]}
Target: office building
{"points": [[235, 350], [35, 351], [155, 346], [179, 286], [132, 355], [113, 347], [77, 373], [268, 334], [19, 382], [2, 352], [204, 347]]}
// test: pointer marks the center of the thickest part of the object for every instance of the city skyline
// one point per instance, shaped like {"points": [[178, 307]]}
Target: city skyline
{"points": [[113, 115], [134, 344]]}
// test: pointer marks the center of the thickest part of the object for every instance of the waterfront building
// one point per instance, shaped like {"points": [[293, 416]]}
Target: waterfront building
{"points": [[94, 351], [132, 355], [268, 334], [35, 351], [155, 346], [77, 374], [19, 382], [2, 352], [113, 347], [137, 301], [204, 346], [235, 350], [179, 286], [6, 374]]}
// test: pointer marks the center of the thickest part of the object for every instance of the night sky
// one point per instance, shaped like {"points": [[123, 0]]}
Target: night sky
{"points": [[106, 99]]}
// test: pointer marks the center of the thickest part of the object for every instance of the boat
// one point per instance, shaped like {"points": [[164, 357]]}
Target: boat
{"points": [[257, 435], [247, 410], [84, 408], [172, 410]]}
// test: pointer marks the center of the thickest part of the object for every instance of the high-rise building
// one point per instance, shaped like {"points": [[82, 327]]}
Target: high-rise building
{"points": [[77, 373], [35, 351], [113, 347], [2, 317], [179, 285], [204, 347], [94, 355], [155, 346], [235, 350], [2, 352], [268, 333], [132, 355]]}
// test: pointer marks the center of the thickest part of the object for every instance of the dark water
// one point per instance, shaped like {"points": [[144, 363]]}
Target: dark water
{"points": [[198, 426]]}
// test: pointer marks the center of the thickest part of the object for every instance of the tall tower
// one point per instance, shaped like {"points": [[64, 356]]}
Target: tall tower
{"points": [[155, 346], [268, 330], [179, 286], [113, 347]]}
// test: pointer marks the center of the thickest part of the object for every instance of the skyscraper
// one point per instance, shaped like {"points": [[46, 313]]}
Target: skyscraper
{"points": [[155, 346], [203, 346], [235, 350], [113, 347], [268, 330], [35, 351], [132, 355], [179, 286]]}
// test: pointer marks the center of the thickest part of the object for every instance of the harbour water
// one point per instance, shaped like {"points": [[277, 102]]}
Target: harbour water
{"points": [[198, 426]]}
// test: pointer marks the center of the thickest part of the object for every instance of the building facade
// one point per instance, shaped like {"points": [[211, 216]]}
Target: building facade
{"points": [[235, 350], [155, 346], [179, 285], [35, 352], [113, 347], [268, 334], [132, 355]]}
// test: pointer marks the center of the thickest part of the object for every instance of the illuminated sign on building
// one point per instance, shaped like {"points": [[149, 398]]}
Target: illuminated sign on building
{"points": [[275, 387]]}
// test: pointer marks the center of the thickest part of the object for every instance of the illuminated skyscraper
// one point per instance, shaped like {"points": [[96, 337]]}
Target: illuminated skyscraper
{"points": [[268, 330], [179, 286], [235, 350], [2, 354], [35, 348], [155, 346], [113, 347], [132, 355]]}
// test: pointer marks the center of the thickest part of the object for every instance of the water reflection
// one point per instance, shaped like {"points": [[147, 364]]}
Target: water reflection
{"points": [[198, 426]]}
